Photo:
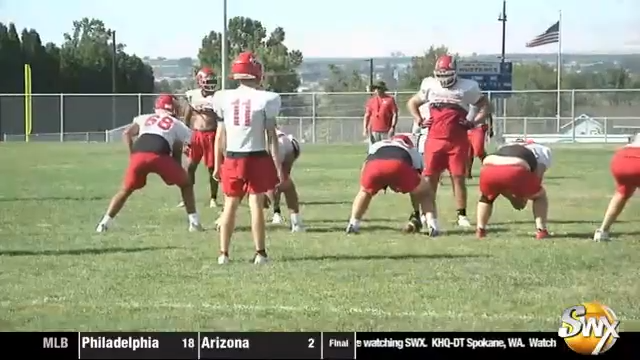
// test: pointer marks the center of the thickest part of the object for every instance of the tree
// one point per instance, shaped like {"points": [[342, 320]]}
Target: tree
{"points": [[11, 63], [246, 34], [81, 65], [421, 67], [86, 58]]}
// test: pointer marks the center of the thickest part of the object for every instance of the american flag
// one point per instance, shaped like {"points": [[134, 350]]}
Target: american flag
{"points": [[551, 36]]}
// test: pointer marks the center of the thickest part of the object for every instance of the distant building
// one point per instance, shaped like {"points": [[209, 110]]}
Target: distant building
{"points": [[584, 125]]}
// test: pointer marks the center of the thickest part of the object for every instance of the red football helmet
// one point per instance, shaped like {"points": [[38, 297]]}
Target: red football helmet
{"points": [[166, 102], [445, 70], [246, 67], [404, 139], [206, 79]]}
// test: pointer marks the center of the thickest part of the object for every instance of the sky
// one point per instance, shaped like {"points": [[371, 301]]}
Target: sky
{"points": [[341, 28]]}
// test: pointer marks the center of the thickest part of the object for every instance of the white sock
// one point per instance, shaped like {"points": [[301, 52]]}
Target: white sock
{"points": [[106, 220], [194, 218], [296, 219], [423, 218], [354, 222], [431, 220]]}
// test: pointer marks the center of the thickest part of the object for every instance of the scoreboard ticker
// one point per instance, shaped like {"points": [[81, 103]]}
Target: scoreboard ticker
{"points": [[300, 345]]}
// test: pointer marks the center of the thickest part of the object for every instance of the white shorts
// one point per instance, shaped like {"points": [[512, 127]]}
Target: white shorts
{"points": [[286, 147]]}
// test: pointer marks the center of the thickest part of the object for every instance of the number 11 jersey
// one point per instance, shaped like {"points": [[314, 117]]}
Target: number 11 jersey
{"points": [[246, 113]]}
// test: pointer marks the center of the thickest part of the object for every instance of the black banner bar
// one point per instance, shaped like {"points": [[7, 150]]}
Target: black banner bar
{"points": [[414, 345], [61, 345], [260, 345], [66, 345], [139, 345]]}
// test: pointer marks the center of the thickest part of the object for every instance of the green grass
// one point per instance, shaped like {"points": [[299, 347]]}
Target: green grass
{"points": [[149, 273]]}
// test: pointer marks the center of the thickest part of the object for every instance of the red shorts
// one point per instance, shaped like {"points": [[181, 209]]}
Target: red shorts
{"points": [[378, 174], [625, 168], [251, 174], [440, 155], [143, 164], [477, 137], [201, 148], [496, 180]]}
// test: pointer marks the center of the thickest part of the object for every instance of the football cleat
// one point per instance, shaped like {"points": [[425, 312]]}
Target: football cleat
{"points": [[352, 229], [223, 259], [601, 236], [260, 259], [542, 234], [277, 219], [463, 221], [195, 228]]}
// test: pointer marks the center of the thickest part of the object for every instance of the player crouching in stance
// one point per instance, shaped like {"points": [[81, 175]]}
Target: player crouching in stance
{"points": [[396, 164], [289, 153], [625, 169], [515, 171], [157, 150], [247, 130]]}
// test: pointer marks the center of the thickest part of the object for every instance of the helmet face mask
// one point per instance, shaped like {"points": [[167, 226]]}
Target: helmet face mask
{"points": [[445, 78], [445, 71], [207, 80]]}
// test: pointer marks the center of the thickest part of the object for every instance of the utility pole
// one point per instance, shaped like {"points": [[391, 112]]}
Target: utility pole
{"points": [[370, 61], [503, 19], [114, 84], [502, 103]]}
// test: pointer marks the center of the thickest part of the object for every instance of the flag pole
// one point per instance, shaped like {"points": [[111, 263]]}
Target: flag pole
{"points": [[559, 79]]}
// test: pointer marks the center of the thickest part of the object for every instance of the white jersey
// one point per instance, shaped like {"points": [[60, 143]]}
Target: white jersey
{"points": [[287, 144], [464, 93], [165, 125], [542, 153], [424, 114], [246, 114], [416, 158], [197, 100]]}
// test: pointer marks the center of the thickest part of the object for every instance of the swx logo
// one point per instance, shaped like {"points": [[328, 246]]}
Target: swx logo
{"points": [[590, 328]]}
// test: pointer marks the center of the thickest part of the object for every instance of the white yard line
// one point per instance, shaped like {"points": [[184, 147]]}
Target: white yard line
{"points": [[375, 312]]}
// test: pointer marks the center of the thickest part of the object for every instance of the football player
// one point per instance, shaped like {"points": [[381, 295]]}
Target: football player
{"points": [[199, 115], [447, 147], [625, 170], [395, 164], [156, 150], [252, 165], [515, 171], [289, 153]]}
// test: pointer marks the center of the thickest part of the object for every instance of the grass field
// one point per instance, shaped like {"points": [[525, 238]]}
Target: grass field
{"points": [[149, 273]]}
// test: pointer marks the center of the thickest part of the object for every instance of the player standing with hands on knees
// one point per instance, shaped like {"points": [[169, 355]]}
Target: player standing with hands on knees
{"points": [[157, 150], [447, 147], [247, 137], [289, 153]]}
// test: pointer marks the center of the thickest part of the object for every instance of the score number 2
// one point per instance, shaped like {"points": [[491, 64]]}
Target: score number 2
{"points": [[312, 343], [242, 112]]}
